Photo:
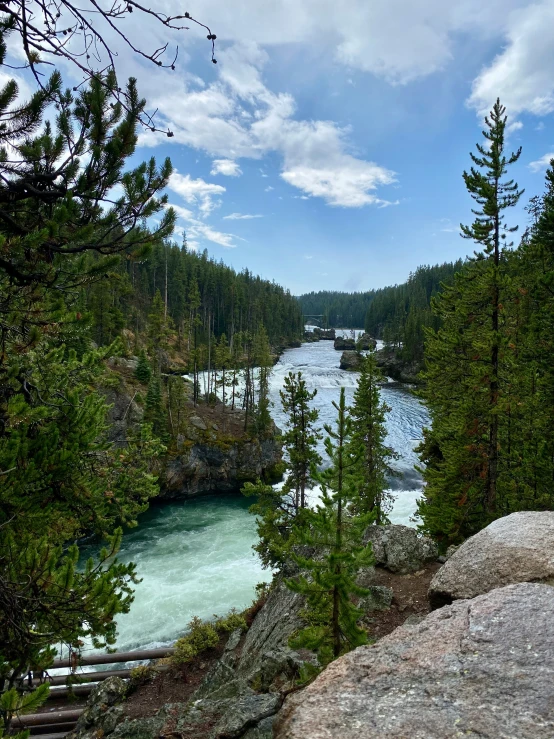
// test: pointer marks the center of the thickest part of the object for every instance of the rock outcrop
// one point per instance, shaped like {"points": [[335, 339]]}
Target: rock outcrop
{"points": [[516, 548], [327, 334], [365, 342], [395, 367], [342, 343], [350, 360], [477, 668], [205, 468], [400, 549]]}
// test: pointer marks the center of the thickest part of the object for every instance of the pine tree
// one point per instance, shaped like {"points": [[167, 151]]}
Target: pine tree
{"points": [[469, 362], [335, 535], [154, 411], [368, 414], [263, 361], [279, 510], [143, 372]]}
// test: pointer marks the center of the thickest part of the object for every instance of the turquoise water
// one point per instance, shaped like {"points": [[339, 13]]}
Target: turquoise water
{"points": [[196, 558]]}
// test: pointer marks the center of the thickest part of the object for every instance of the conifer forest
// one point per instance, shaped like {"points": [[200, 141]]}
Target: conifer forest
{"points": [[140, 370]]}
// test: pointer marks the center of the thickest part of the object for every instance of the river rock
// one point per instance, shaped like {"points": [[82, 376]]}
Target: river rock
{"points": [[392, 365], [400, 549], [325, 333], [516, 548], [341, 343], [477, 668], [350, 360], [365, 342]]}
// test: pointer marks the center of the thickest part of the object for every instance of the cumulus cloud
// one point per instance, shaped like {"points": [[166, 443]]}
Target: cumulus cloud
{"points": [[542, 163], [197, 192], [227, 167], [522, 75], [240, 217]]}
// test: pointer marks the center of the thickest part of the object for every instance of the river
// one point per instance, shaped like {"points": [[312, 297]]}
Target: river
{"points": [[196, 558]]}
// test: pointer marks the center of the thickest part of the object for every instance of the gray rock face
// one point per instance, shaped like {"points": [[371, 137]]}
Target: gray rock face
{"points": [[209, 468], [378, 599], [102, 712], [124, 414], [394, 366], [477, 668], [400, 549], [350, 360], [365, 341], [517, 548]]}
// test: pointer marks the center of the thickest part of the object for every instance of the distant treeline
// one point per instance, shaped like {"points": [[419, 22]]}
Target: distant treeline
{"points": [[199, 294], [397, 314]]}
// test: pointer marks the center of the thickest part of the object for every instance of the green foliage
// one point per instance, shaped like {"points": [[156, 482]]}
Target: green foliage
{"points": [[141, 675], [333, 534], [231, 622], [61, 235], [472, 452], [201, 636], [143, 372], [278, 511], [154, 410], [368, 414]]}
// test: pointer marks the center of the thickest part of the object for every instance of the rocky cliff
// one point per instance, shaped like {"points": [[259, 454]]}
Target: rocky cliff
{"points": [[213, 454]]}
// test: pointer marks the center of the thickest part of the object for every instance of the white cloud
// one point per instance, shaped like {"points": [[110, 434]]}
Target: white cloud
{"points": [[269, 188], [226, 167], [542, 163], [522, 75], [196, 192], [196, 229], [240, 217]]}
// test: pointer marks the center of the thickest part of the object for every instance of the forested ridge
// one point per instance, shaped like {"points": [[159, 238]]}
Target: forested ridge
{"points": [[397, 314], [197, 292]]}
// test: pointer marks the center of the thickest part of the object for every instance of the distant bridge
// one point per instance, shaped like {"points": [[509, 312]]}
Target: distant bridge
{"points": [[318, 320]]}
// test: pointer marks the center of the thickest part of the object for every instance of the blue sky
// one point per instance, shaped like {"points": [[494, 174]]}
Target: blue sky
{"points": [[325, 150]]}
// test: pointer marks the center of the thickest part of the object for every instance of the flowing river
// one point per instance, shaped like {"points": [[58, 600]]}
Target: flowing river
{"points": [[196, 558]]}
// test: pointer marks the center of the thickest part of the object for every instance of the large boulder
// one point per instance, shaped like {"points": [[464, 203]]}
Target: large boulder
{"points": [[341, 343], [350, 360], [516, 548], [400, 549], [477, 668], [365, 341]]}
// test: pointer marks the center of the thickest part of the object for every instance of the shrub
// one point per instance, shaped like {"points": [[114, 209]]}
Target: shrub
{"points": [[202, 635], [232, 621]]}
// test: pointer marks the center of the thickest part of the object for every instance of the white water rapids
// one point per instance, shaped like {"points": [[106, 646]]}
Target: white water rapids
{"points": [[196, 558]]}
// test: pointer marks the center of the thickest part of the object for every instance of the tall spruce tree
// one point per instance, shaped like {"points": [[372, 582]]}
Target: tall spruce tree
{"points": [[368, 414], [335, 535], [469, 360]]}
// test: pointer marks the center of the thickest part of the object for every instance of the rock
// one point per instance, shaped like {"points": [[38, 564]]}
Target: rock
{"points": [[400, 549], [264, 730], [101, 712], [210, 467], [392, 365], [350, 360], [477, 668], [341, 343], [326, 334], [451, 550], [198, 423], [245, 713], [365, 342], [123, 363], [516, 548], [379, 599]]}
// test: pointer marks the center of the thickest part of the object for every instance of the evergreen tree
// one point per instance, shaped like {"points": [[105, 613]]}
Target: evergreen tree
{"points": [[368, 414], [279, 510], [154, 412], [143, 372], [262, 362], [469, 362], [335, 535]]}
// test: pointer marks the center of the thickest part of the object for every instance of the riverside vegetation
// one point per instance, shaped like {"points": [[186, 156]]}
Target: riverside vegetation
{"points": [[84, 277]]}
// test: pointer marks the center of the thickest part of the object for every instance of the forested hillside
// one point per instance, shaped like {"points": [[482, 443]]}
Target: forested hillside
{"points": [[339, 309], [195, 293], [400, 314]]}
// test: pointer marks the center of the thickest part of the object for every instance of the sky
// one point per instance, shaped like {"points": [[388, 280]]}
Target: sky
{"points": [[325, 149]]}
